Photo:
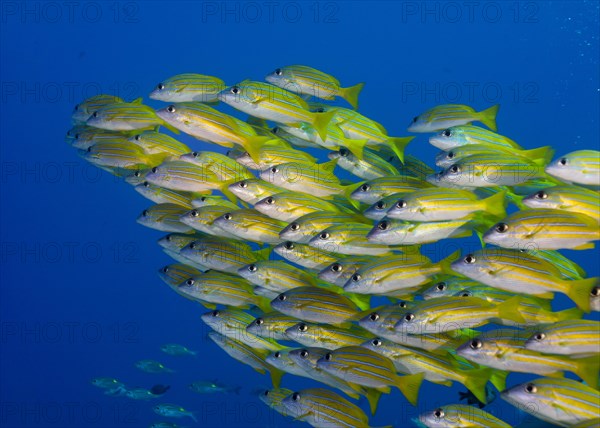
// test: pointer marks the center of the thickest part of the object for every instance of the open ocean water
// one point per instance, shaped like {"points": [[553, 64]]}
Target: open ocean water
{"points": [[79, 292]]}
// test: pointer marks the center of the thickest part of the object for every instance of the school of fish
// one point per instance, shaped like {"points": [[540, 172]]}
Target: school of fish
{"points": [[302, 234]]}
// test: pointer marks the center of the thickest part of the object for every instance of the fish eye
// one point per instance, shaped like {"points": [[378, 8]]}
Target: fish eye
{"points": [[154, 170], [563, 161], [501, 227], [447, 133], [195, 154], [476, 344], [455, 169], [168, 238], [266, 393], [328, 356], [441, 286], [89, 149], [374, 316], [336, 267], [192, 245], [270, 200], [243, 184], [278, 71], [376, 342], [227, 216], [160, 86], [252, 268], [171, 109], [76, 106], [277, 354], [259, 321], [380, 205], [470, 259], [409, 317], [95, 114], [539, 336], [203, 199], [401, 204], [402, 304], [304, 353], [146, 184], [194, 213], [282, 297], [295, 396], [365, 188], [76, 135], [324, 235], [216, 313], [190, 282], [138, 137], [235, 90], [294, 226], [541, 195], [531, 388], [165, 269], [465, 294], [383, 225], [145, 213], [356, 277], [302, 327], [450, 155], [320, 110], [137, 174], [288, 245], [344, 152], [415, 119], [438, 413], [274, 170], [595, 291]]}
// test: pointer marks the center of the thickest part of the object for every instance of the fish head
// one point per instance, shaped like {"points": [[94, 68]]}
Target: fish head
{"points": [[542, 199], [478, 350], [562, 168], [327, 240], [365, 193], [437, 418], [360, 282], [175, 241], [371, 322], [532, 394], [402, 207], [284, 303], [447, 138], [453, 175], [301, 331], [213, 318], [504, 234], [446, 159], [294, 232], [539, 341], [268, 205], [294, 406], [229, 221], [240, 96], [378, 210], [421, 123], [338, 272], [387, 231], [472, 265], [280, 77], [165, 91], [252, 272], [174, 114]]}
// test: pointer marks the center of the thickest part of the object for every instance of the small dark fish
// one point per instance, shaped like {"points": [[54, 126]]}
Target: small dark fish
{"points": [[159, 389], [490, 395]]}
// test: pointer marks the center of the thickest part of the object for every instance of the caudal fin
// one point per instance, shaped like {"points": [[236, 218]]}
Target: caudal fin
{"points": [[476, 381], [410, 385], [488, 117], [398, 144], [498, 379], [373, 398], [580, 292], [495, 205], [509, 310], [541, 156], [587, 369], [253, 145], [321, 121], [357, 147], [276, 376], [350, 94], [569, 314]]}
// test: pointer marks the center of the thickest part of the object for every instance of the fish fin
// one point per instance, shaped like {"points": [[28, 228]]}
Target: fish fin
{"points": [[541, 156], [498, 379], [207, 305], [224, 189], [447, 383], [410, 385], [276, 375], [587, 370], [350, 94], [516, 200], [373, 398], [357, 147], [476, 381], [253, 145], [328, 166], [509, 310], [579, 291], [263, 254], [138, 100], [398, 144], [170, 127], [321, 121], [495, 205], [347, 191], [569, 314], [363, 301], [587, 246], [488, 117]]}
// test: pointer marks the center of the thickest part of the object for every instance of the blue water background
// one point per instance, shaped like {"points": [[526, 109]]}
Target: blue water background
{"points": [[79, 294]]}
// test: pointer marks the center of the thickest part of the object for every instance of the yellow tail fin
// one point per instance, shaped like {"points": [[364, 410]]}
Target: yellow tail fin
{"points": [[253, 145], [579, 291], [476, 381], [350, 94], [321, 121], [587, 370], [495, 205], [541, 156], [373, 398], [357, 147], [488, 117], [398, 144], [409, 386]]}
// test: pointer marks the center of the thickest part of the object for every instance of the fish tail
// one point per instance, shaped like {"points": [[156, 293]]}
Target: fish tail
{"points": [[253, 145], [263, 254], [276, 375], [488, 117], [569, 314], [373, 398], [351, 93], [409, 386], [587, 369], [580, 290], [516, 199], [541, 156], [321, 121], [357, 147], [498, 379], [495, 205], [193, 416], [444, 264], [398, 144], [263, 303], [476, 381], [225, 191], [509, 310]]}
